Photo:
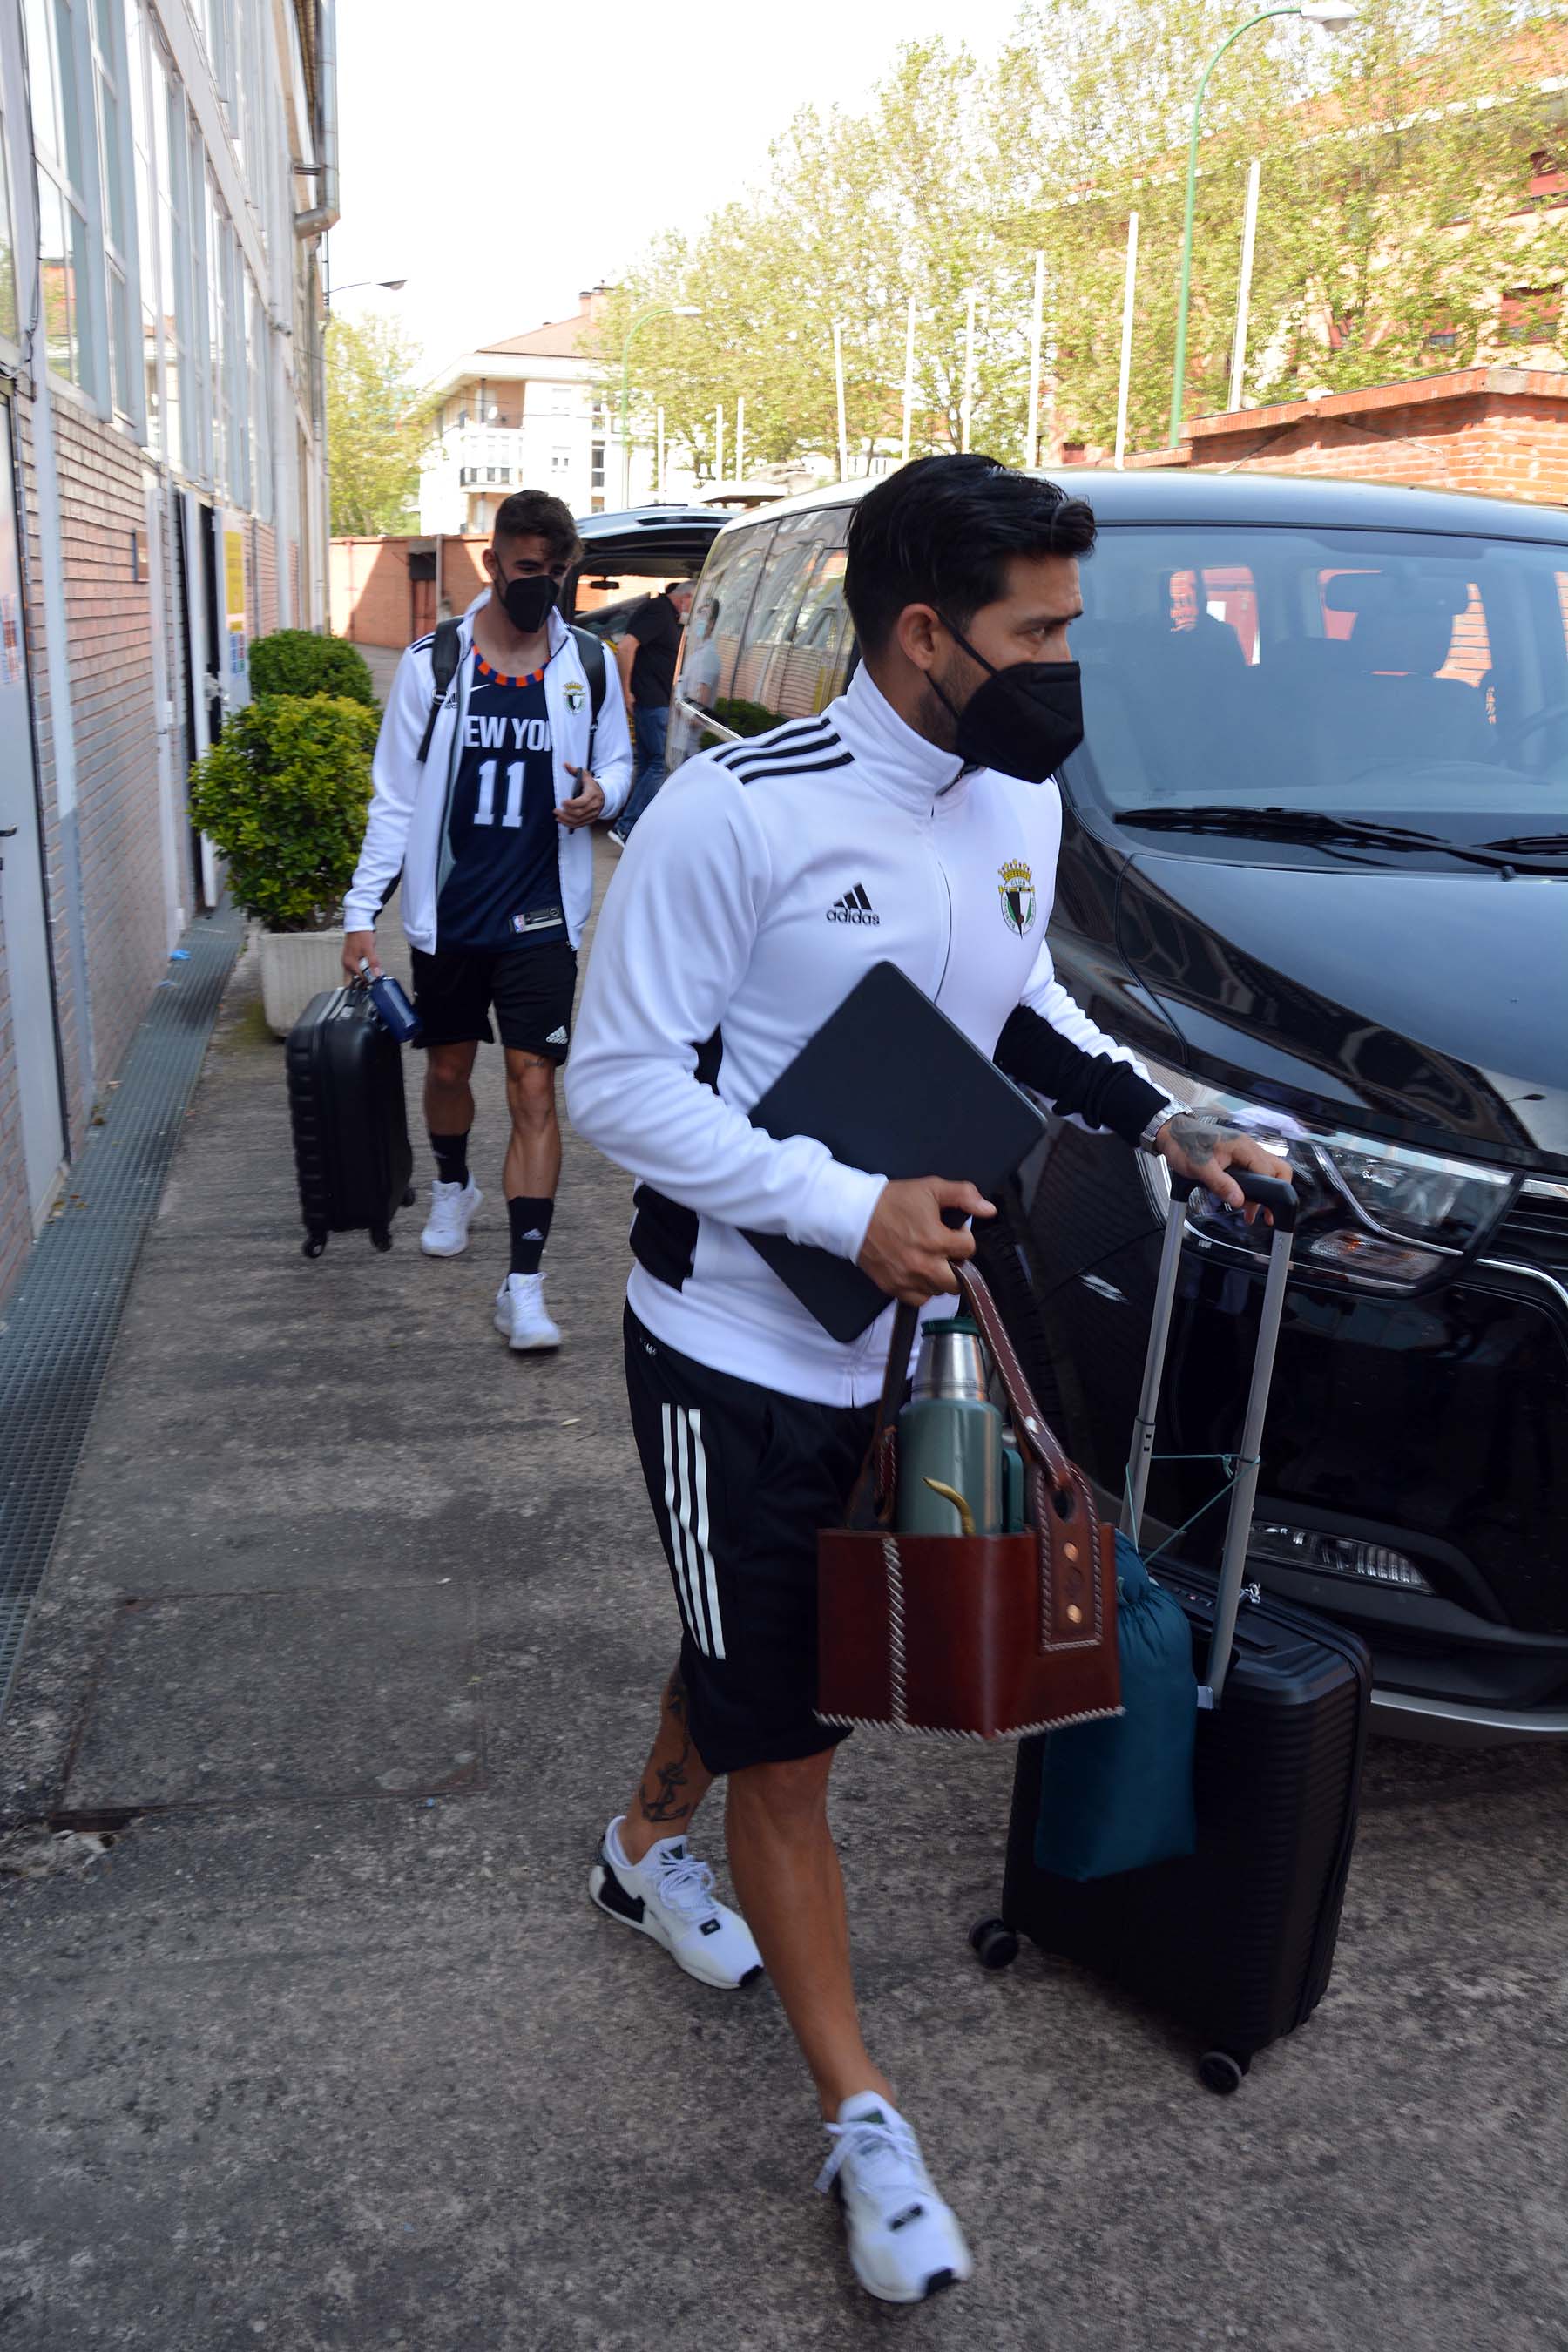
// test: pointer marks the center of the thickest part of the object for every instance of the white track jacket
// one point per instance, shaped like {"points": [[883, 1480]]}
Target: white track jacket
{"points": [[756, 890], [407, 827]]}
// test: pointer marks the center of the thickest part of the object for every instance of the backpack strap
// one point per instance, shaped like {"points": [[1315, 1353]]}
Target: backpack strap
{"points": [[444, 655], [592, 650]]}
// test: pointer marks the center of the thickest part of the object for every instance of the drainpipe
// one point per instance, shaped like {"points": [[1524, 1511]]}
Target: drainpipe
{"points": [[324, 213]]}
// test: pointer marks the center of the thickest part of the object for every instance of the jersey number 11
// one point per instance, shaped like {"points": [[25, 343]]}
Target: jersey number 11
{"points": [[486, 812]]}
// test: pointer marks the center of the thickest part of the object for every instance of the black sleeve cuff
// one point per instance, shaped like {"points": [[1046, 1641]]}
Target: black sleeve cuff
{"points": [[1095, 1087]]}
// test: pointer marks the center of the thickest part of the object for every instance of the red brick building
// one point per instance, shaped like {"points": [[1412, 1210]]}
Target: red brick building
{"points": [[162, 495]]}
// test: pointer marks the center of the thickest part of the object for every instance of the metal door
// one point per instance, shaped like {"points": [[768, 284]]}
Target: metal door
{"points": [[22, 919]]}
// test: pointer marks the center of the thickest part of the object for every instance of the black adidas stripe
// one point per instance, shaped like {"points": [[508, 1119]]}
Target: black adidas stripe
{"points": [[779, 742], [773, 775]]}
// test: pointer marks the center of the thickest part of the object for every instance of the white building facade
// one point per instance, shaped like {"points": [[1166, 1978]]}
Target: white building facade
{"points": [[169, 170], [532, 413]]}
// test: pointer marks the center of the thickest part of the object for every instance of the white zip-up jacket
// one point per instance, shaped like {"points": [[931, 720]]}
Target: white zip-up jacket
{"points": [[759, 886], [407, 827]]}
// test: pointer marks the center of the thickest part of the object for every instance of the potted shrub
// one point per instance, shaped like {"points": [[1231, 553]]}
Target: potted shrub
{"points": [[283, 793], [298, 661]]}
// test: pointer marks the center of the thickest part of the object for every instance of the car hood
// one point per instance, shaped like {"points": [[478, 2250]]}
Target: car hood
{"points": [[1431, 1007]]}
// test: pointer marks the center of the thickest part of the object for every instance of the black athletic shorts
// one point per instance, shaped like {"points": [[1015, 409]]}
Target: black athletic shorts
{"points": [[531, 987], [741, 1479]]}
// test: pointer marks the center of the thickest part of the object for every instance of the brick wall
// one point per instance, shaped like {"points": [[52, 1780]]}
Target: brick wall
{"points": [[1502, 431], [372, 601], [109, 623]]}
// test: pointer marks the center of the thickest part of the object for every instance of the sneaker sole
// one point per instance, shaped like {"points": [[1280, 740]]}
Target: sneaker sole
{"points": [[937, 2282], [526, 1347], [439, 1249], [646, 1927]]}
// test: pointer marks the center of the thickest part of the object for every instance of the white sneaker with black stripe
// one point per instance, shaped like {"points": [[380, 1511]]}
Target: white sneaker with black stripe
{"points": [[904, 2243], [669, 1896]]}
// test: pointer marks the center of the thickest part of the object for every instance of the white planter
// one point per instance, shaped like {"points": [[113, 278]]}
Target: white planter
{"points": [[296, 966]]}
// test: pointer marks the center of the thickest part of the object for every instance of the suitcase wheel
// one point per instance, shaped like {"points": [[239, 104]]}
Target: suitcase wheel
{"points": [[410, 1197], [994, 1943], [380, 1238], [1220, 2072], [314, 1243]]}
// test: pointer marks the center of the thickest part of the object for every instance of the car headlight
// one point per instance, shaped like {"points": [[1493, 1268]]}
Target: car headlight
{"points": [[1376, 1211]]}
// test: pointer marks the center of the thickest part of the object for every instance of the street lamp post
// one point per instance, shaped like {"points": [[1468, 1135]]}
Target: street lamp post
{"points": [[1329, 16], [357, 285], [659, 310]]}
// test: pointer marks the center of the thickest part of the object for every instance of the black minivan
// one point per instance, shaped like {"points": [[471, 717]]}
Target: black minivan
{"points": [[1314, 870]]}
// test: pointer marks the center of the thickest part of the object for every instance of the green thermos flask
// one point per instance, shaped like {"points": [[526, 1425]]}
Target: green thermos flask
{"points": [[950, 1439]]}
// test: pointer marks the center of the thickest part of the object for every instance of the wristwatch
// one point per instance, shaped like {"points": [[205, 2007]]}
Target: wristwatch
{"points": [[1149, 1140]]}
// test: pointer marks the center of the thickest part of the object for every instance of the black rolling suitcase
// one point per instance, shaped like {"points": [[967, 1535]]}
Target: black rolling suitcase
{"points": [[1236, 1940], [352, 1152]]}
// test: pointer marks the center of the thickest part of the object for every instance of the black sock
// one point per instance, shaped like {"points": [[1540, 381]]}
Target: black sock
{"points": [[451, 1157], [529, 1232]]}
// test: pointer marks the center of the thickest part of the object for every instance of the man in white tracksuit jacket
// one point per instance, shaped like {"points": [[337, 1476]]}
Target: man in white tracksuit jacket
{"points": [[764, 882], [487, 787]]}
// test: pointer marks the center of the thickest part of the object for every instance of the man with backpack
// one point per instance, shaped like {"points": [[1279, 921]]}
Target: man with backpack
{"points": [[504, 739]]}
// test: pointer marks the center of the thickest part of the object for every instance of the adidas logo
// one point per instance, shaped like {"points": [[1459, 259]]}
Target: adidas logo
{"points": [[557, 1037], [854, 906]]}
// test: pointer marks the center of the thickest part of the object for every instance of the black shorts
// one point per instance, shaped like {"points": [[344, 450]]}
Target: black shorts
{"points": [[741, 1479], [531, 987]]}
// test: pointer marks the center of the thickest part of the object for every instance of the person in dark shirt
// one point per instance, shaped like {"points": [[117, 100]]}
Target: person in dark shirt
{"points": [[483, 799], [646, 656]]}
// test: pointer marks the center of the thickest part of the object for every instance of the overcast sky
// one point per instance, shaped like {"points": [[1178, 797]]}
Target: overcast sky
{"points": [[501, 158]]}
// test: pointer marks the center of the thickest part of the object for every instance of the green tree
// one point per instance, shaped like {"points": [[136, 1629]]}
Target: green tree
{"points": [[1395, 218], [378, 427]]}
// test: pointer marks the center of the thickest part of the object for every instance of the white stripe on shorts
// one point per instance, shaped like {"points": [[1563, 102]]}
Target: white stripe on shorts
{"points": [[685, 1582], [714, 1626]]}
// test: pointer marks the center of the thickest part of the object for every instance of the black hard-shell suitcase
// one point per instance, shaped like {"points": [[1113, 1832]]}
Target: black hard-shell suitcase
{"points": [[352, 1152], [1236, 1941]]}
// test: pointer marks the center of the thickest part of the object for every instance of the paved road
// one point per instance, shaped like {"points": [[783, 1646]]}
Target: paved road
{"points": [[364, 1618]]}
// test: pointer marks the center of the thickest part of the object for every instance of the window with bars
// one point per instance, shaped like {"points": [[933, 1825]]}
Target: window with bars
{"points": [[106, 41], [597, 460], [63, 244]]}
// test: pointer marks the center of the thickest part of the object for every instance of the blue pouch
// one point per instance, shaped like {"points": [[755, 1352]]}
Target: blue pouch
{"points": [[1117, 1795]]}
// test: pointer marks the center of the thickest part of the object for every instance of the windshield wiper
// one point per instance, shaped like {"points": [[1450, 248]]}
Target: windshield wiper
{"points": [[1531, 841], [1315, 828]]}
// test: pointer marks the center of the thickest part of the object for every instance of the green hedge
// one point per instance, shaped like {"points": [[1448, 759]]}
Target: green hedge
{"points": [[283, 793], [297, 661]]}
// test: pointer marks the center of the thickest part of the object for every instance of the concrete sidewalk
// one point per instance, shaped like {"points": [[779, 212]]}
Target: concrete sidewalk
{"points": [[354, 1626]]}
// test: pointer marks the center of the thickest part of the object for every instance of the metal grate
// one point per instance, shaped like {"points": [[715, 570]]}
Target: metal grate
{"points": [[1535, 1229], [60, 1325]]}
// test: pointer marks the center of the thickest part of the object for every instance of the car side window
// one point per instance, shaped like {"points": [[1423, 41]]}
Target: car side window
{"points": [[712, 639], [793, 664]]}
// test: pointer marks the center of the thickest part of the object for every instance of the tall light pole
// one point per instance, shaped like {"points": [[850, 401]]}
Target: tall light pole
{"points": [[1036, 331], [357, 285], [966, 405], [659, 310], [838, 387], [909, 384], [1329, 16], [1129, 293]]}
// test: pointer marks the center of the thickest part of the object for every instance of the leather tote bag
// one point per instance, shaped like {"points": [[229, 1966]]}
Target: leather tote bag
{"points": [[968, 1637]]}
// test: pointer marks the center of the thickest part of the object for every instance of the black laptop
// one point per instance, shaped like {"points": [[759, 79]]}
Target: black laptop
{"points": [[888, 1084]]}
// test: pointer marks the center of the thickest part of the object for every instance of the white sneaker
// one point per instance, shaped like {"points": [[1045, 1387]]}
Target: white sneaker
{"points": [[521, 1318], [904, 2243], [669, 1896], [452, 1207]]}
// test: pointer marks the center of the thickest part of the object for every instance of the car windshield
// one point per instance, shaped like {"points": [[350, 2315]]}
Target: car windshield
{"points": [[1365, 679]]}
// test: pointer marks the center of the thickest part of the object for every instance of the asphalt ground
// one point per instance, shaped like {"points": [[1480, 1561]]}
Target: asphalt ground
{"points": [[353, 1636]]}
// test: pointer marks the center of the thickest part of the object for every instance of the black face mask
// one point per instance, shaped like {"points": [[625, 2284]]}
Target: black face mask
{"points": [[1022, 720], [528, 603]]}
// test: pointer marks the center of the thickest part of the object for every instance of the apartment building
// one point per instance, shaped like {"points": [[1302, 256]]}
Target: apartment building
{"points": [[531, 412], [169, 171]]}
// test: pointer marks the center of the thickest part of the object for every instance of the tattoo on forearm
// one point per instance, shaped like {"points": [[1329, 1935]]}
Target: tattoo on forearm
{"points": [[664, 1796]]}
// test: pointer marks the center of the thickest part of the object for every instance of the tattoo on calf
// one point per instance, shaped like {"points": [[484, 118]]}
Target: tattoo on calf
{"points": [[666, 1799]]}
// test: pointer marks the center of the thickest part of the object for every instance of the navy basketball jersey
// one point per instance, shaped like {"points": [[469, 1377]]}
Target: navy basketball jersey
{"points": [[503, 889]]}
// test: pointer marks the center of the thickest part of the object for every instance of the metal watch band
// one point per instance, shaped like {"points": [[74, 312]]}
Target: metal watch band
{"points": [[1148, 1141]]}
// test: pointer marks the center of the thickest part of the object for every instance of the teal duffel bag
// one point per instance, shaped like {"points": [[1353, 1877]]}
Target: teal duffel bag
{"points": [[1117, 1795]]}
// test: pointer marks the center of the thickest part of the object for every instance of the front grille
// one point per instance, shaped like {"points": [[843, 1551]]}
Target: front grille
{"points": [[1535, 1230]]}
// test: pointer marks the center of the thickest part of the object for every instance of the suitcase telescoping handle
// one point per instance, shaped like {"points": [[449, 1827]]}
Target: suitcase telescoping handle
{"points": [[1273, 1194]]}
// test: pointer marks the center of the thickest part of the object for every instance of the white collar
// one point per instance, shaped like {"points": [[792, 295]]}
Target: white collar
{"points": [[892, 756]]}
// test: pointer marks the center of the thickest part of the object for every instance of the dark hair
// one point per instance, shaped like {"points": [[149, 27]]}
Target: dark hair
{"points": [[940, 531], [534, 514]]}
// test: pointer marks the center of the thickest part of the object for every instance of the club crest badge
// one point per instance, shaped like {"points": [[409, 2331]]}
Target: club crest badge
{"points": [[575, 690], [1017, 889]]}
